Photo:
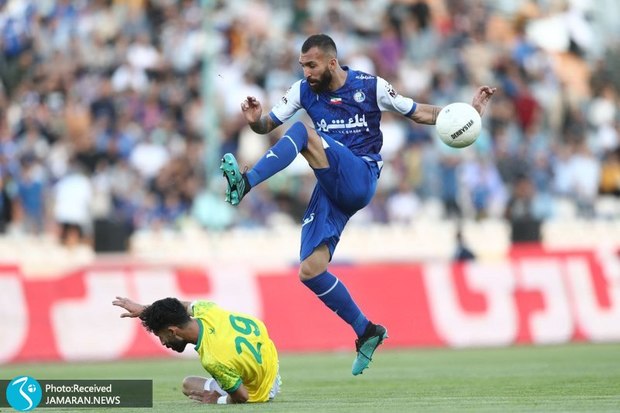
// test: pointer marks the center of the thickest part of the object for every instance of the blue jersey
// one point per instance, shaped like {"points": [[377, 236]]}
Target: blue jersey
{"points": [[349, 115]]}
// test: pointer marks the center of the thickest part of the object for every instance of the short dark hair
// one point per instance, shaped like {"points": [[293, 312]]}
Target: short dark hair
{"points": [[164, 313], [322, 41]]}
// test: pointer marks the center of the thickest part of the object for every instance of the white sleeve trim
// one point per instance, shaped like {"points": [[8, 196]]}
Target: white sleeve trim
{"points": [[289, 104], [389, 100]]}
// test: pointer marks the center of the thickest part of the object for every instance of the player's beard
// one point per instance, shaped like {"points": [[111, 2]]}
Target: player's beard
{"points": [[323, 82], [177, 345]]}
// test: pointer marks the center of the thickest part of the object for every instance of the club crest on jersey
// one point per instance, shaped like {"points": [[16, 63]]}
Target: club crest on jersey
{"points": [[359, 96], [334, 100]]}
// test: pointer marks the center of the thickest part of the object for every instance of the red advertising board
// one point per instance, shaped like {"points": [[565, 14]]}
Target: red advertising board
{"points": [[530, 297]]}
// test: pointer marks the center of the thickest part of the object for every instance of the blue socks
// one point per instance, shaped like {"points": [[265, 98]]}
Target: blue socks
{"points": [[280, 155], [335, 295]]}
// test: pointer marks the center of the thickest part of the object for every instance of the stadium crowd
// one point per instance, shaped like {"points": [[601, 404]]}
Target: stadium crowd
{"points": [[102, 109]]}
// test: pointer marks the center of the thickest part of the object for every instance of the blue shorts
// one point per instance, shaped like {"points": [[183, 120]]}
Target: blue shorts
{"points": [[341, 190]]}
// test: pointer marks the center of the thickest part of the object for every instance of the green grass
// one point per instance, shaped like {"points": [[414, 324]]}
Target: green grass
{"points": [[571, 378]]}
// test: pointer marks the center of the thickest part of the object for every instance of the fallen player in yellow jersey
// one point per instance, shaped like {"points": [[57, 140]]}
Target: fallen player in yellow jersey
{"points": [[235, 349]]}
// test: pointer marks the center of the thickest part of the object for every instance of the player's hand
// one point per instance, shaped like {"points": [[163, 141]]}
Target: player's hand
{"points": [[252, 109], [133, 309], [482, 97], [204, 396]]}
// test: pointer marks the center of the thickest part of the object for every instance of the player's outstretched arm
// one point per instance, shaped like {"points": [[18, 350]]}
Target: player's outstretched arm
{"points": [[482, 97], [133, 309], [425, 114], [252, 110]]}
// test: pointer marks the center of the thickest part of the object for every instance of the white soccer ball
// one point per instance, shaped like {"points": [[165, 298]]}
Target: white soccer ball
{"points": [[458, 124]]}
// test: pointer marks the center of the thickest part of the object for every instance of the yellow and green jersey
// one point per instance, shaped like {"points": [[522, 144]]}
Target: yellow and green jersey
{"points": [[235, 348]]}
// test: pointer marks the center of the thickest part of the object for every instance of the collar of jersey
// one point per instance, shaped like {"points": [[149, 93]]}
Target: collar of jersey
{"points": [[200, 333], [346, 81], [335, 92]]}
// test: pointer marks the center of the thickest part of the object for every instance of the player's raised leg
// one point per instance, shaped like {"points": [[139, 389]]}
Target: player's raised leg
{"points": [[278, 157]]}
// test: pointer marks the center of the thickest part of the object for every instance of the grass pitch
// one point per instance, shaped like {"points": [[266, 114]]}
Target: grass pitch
{"points": [[571, 378]]}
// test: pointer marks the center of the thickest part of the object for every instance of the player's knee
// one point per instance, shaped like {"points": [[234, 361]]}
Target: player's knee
{"points": [[309, 270], [315, 264], [191, 383], [186, 388], [315, 152], [303, 273], [314, 141]]}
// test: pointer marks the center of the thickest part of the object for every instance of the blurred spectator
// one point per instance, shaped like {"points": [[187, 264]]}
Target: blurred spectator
{"points": [[483, 187], [403, 205], [72, 205], [7, 205], [31, 194], [388, 52], [149, 156], [462, 252], [103, 106], [450, 186], [610, 174], [525, 211], [585, 178]]}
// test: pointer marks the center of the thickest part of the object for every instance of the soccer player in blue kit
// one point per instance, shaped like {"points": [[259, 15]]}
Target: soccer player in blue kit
{"points": [[343, 150]]}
